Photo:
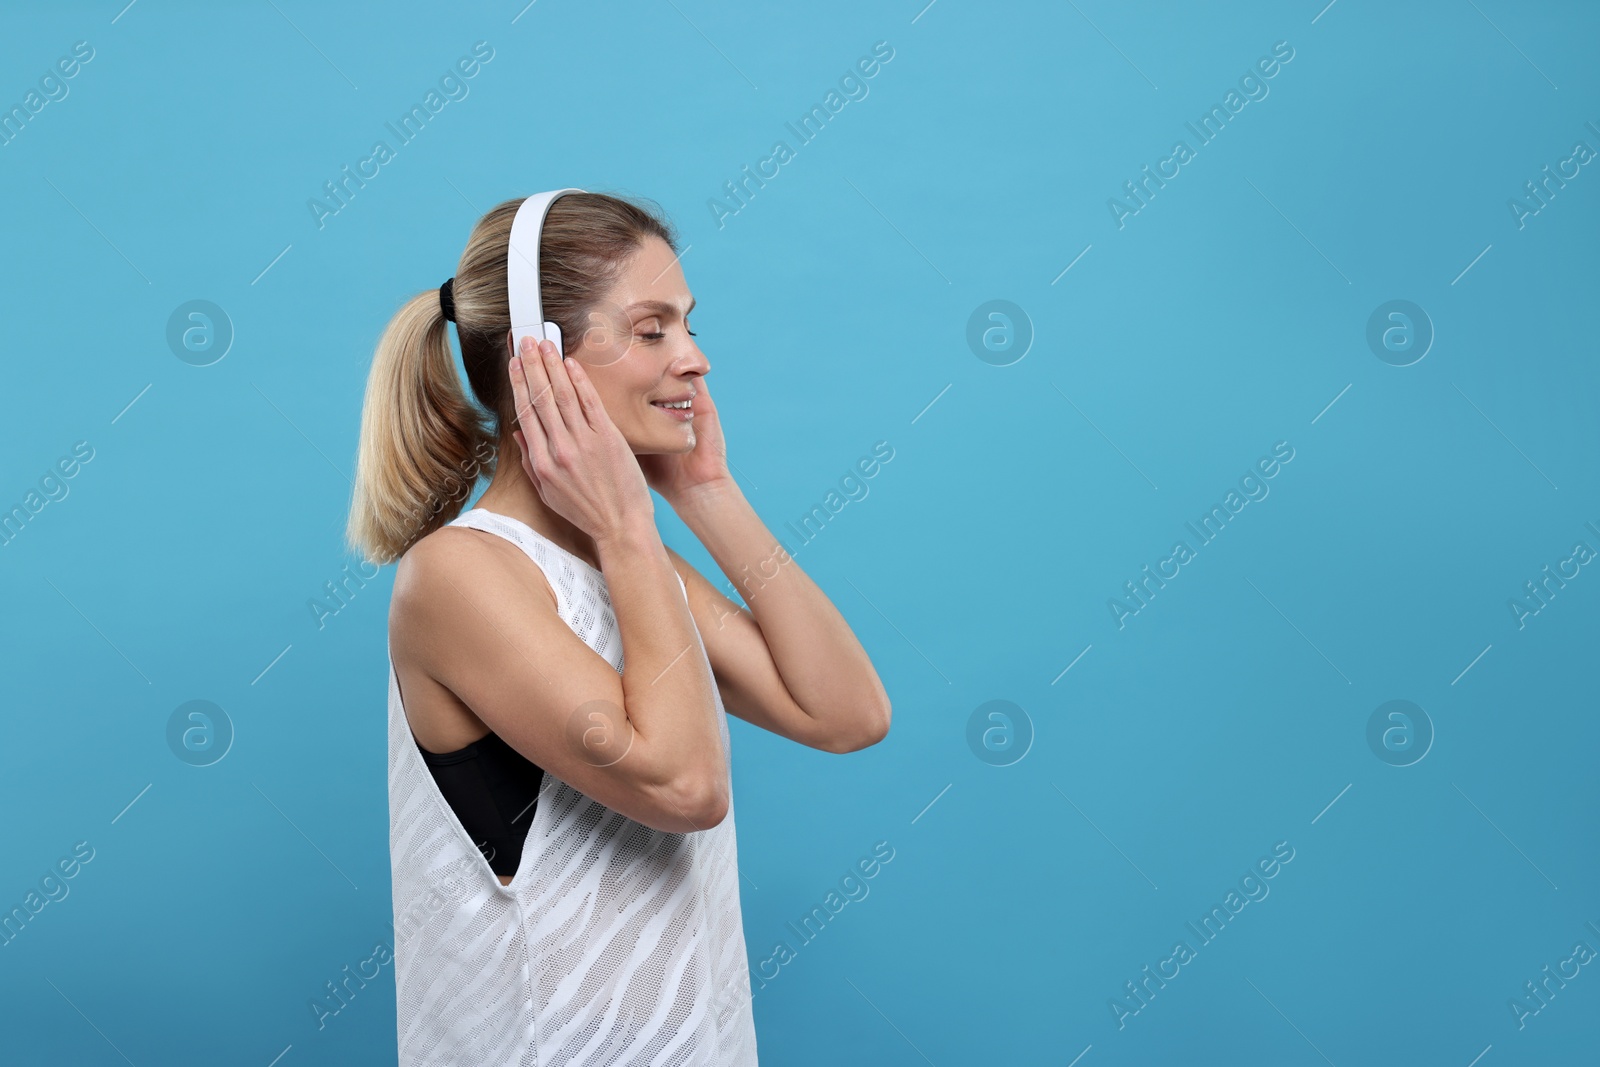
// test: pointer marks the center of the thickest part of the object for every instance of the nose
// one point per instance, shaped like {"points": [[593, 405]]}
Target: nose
{"points": [[690, 361]]}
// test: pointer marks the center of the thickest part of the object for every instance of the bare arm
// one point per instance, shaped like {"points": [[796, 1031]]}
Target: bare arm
{"points": [[668, 687], [789, 663], [482, 621]]}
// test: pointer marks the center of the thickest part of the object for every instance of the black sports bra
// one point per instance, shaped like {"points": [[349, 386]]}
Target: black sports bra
{"points": [[493, 789]]}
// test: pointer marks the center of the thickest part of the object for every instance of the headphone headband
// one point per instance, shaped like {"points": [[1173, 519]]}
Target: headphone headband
{"points": [[522, 272]]}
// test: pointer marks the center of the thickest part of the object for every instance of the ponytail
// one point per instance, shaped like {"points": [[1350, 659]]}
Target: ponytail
{"points": [[423, 442]]}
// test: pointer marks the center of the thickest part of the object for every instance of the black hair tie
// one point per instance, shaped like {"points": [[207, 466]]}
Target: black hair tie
{"points": [[447, 300]]}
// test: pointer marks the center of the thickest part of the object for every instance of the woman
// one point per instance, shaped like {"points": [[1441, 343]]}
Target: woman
{"points": [[562, 840]]}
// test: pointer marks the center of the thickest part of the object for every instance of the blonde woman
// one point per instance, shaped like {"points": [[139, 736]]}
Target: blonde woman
{"points": [[562, 842]]}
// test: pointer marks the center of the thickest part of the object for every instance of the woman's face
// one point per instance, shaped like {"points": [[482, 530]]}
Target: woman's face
{"points": [[638, 352]]}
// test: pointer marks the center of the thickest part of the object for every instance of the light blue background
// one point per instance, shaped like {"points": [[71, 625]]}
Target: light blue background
{"points": [[1230, 313]]}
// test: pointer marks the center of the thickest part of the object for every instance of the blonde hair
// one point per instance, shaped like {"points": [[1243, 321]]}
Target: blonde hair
{"points": [[424, 443]]}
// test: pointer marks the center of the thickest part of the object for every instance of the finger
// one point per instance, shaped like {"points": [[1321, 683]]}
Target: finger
{"points": [[520, 404], [538, 395], [529, 418], [566, 398], [545, 383], [589, 400]]}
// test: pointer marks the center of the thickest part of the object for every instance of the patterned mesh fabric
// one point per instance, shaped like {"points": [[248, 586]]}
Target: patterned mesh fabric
{"points": [[613, 943]]}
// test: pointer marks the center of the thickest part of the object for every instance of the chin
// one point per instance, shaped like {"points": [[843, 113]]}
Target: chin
{"points": [[680, 445]]}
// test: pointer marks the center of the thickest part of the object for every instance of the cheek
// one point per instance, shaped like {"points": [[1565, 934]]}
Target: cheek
{"points": [[617, 393]]}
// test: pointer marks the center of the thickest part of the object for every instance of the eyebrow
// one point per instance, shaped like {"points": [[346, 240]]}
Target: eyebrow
{"points": [[660, 307]]}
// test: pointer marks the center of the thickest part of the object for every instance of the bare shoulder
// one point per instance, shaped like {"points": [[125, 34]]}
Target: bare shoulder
{"points": [[438, 609], [434, 580]]}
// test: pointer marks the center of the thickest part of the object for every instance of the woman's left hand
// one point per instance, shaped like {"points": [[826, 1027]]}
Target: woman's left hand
{"points": [[679, 475]]}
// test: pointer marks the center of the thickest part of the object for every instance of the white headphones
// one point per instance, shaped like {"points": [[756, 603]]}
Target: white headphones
{"points": [[522, 273]]}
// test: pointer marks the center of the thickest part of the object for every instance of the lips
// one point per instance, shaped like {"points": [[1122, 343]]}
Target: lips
{"points": [[682, 414]]}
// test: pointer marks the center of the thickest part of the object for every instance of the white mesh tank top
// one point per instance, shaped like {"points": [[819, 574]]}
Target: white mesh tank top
{"points": [[613, 943]]}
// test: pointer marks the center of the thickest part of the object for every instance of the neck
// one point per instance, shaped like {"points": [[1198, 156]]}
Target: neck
{"points": [[510, 493]]}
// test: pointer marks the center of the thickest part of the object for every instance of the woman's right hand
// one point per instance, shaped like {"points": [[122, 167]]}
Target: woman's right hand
{"points": [[577, 459]]}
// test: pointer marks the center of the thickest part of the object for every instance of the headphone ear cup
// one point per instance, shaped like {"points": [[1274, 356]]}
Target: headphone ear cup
{"points": [[552, 333]]}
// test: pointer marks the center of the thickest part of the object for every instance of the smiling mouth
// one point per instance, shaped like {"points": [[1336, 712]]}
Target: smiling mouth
{"points": [[682, 410]]}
